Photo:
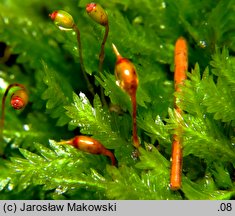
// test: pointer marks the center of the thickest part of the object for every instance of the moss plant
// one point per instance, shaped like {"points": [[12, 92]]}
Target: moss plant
{"points": [[60, 107]]}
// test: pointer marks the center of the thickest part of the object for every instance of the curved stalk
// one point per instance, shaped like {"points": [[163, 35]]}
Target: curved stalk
{"points": [[101, 55], [89, 85]]}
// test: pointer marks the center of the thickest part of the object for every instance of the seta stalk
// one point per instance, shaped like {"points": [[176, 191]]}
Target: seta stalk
{"points": [[64, 21], [98, 14]]}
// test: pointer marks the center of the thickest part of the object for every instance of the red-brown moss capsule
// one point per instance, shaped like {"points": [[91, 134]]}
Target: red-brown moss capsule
{"points": [[19, 99], [97, 13], [88, 144], [127, 79], [62, 19]]}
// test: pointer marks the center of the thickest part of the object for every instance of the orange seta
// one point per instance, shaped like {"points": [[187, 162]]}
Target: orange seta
{"points": [[181, 67]]}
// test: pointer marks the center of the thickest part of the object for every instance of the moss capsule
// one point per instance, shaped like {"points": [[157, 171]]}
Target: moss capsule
{"points": [[125, 74], [62, 19], [97, 13], [19, 99], [127, 79], [88, 144]]}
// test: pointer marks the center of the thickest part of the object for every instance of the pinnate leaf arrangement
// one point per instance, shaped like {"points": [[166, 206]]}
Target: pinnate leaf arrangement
{"points": [[91, 108]]}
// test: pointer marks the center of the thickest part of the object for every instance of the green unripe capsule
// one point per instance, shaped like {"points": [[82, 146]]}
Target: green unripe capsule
{"points": [[63, 20], [97, 13]]}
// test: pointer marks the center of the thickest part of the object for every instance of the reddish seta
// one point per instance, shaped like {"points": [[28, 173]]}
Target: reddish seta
{"points": [[90, 145], [127, 79]]}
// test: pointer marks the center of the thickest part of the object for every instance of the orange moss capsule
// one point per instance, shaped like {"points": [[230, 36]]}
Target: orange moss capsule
{"points": [[88, 144], [181, 67], [125, 74], [127, 79], [97, 13]]}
